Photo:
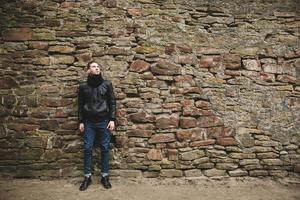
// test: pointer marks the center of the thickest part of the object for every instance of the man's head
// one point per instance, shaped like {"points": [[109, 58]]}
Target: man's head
{"points": [[94, 68]]}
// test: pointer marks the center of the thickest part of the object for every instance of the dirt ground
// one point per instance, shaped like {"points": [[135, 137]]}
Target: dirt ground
{"points": [[153, 189]]}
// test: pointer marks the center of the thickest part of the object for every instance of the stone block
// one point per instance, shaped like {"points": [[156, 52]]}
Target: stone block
{"points": [[154, 154], [161, 138], [172, 154], [192, 155], [139, 66], [271, 162], [209, 121], [167, 121], [62, 59], [130, 173], [272, 68], [193, 173], [49, 125], [242, 155], [205, 166], [8, 82], [150, 174], [244, 138], [186, 59], [286, 79], [36, 142], [187, 122], [249, 161], [31, 154], [226, 166], [278, 173], [134, 11], [226, 141], [166, 68], [267, 155], [17, 34], [214, 172], [237, 173], [61, 49], [171, 173], [232, 61], [202, 143], [140, 133], [256, 173], [212, 153], [251, 64], [141, 117]]}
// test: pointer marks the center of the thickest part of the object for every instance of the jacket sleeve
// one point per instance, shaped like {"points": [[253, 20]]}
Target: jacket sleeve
{"points": [[80, 103], [112, 102]]}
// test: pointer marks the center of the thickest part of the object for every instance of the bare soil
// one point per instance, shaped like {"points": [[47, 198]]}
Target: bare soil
{"points": [[153, 189]]}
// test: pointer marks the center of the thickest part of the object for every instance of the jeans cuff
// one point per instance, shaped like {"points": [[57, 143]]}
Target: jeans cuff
{"points": [[104, 174]]}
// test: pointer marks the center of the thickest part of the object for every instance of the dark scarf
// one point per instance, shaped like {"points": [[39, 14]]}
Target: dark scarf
{"points": [[94, 80]]}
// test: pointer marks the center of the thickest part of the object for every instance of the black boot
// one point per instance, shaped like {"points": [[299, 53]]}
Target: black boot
{"points": [[105, 182], [85, 183]]}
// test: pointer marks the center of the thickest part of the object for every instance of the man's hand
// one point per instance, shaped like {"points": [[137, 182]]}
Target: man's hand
{"points": [[111, 126], [81, 127]]}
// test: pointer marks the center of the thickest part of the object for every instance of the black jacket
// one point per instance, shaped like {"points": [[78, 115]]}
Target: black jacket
{"points": [[96, 103]]}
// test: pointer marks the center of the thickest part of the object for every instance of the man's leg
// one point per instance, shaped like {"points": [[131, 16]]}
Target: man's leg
{"points": [[89, 136], [104, 144]]}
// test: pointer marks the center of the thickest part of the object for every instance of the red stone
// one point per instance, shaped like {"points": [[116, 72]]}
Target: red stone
{"points": [[286, 79], [188, 103], [267, 77], [209, 121], [8, 82], [215, 132], [172, 154], [188, 122], [186, 59], [140, 133], [39, 45], [202, 104], [207, 62], [192, 90], [184, 49], [17, 34], [210, 51], [183, 135], [184, 78], [227, 141], [161, 138], [139, 66], [166, 68], [167, 121], [154, 154], [141, 117], [169, 49], [202, 143]]}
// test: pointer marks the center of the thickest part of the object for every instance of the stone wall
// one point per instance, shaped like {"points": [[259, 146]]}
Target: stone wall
{"points": [[204, 88]]}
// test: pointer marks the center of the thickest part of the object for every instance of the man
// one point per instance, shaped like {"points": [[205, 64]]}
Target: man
{"points": [[96, 114]]}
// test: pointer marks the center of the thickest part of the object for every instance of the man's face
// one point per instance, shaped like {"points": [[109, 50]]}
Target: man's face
{"points": [[94, 69]]}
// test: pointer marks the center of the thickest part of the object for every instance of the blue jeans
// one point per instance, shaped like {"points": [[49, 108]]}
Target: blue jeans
{"points": [[98, 131]]}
